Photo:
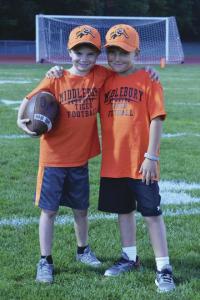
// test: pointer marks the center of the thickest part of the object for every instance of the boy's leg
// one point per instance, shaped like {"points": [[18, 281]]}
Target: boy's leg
{"points": [[84, 253], [115, 196], [129, 260], [46, 226], [148, 204], [81, 227], [49, 192], [157, 232], [127, 226], [45, 266]]}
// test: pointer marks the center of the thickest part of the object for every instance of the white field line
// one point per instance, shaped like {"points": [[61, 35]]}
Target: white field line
{"points": [[14, 102], [63, 220], [171, 192], [177, 88], [185, 103], [164, 135], [170, 78], [14, 136], [179, 134], [10, 102], [15, 81]]}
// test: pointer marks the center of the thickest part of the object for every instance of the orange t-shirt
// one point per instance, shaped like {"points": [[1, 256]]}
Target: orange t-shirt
{"points": [[127, 106], [74, 138]]}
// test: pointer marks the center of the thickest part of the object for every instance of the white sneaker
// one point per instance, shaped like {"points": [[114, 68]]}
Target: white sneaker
{"points": [[164, 279]]}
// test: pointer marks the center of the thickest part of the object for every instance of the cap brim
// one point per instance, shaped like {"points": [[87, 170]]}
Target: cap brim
{"points": [[82, 42], [121, 45]]}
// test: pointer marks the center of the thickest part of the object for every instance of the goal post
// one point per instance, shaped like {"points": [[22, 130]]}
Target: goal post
{"points": [[159, 37]]}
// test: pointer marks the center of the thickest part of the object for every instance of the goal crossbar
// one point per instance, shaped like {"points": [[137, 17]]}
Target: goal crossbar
{"points": [[159, 37]]}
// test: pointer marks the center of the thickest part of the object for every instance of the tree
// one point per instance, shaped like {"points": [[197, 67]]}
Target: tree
{"points": [[17, 18]]}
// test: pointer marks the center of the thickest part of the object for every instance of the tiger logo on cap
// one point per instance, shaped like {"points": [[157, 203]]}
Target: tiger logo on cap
{"points": [[118, 32], [85, 31]]}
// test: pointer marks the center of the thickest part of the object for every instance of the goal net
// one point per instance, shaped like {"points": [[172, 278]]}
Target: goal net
{"points": [[159, 37]]}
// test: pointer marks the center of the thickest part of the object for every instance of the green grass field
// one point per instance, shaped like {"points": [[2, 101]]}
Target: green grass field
{"points": [[180, 190]]}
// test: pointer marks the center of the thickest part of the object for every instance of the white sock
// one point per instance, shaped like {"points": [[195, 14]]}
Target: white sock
{"points": [[131, 252], [161, 262]]}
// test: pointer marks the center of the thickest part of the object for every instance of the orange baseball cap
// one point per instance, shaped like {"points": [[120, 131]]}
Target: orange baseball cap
{"points": [[123, 36], [84, 34]]}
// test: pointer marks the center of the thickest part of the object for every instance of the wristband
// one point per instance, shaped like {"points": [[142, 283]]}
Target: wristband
{"points": [[151, 157]]}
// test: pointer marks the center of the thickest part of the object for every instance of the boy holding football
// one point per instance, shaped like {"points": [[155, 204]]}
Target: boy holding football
{"points": [[132, 112], [65, 150]]}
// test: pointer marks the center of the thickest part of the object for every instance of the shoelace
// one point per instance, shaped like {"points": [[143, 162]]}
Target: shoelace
{"points": [[122, 261], [44, 267], [90, 257], [166, 277]]}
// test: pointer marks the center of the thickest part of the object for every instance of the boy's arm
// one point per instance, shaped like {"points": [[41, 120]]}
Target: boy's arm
{"points": [[154, 75], [21, 122], [57, 72], [148, 168], [44, 85]]}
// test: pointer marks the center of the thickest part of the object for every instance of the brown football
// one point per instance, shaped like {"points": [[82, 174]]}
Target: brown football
{"points": [[42, 110]]}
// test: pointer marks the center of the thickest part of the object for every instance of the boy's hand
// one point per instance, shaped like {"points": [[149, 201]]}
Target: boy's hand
{"points": [[22, 125], [154, 75], [55, 72], [148, 170]]}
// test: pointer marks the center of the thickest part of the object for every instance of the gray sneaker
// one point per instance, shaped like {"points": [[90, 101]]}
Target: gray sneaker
{"points": [[123, 265], [88, 258], [164, 279], [44, 271]]}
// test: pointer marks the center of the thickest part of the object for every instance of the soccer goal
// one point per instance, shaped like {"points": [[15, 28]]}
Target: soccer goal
{"points": [[159, 37]]}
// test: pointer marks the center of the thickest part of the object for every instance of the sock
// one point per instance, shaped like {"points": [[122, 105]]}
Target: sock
{"points": [[80, 250], [161, 262], [131, 252], [48, 258]]}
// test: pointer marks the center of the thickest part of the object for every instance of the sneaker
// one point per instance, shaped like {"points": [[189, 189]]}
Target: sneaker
{"points": [[88, 258], [44, 271], [164, 279], [123, 265]]}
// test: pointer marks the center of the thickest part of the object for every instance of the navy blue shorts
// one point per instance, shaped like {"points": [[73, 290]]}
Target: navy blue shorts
{"points": [[124, 195], [62, 186]]}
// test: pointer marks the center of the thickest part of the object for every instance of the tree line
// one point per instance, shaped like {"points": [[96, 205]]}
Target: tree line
{"points": [[17, 17]]}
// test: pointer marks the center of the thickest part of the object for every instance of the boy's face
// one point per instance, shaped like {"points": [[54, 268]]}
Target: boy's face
{"points": [[83, 58], [119, 60]]}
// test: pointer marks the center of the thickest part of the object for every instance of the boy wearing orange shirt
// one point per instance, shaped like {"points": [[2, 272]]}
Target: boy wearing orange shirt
{"points": [[132, 112], [66, 149]]}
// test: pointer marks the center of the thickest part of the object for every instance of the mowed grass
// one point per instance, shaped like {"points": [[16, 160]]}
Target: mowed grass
{"points": [[19, 246]]}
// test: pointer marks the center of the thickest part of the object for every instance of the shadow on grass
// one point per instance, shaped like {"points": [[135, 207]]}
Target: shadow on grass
{"points": [[79, 269], [184, 270]]}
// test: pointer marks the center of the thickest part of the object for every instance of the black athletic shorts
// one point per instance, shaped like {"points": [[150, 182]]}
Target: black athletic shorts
{"points": [[124, 195]]}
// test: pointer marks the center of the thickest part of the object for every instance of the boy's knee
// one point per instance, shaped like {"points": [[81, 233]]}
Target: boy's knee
{"points": [[49, 213], [152, 219], [80, 213], [150, 212]]}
